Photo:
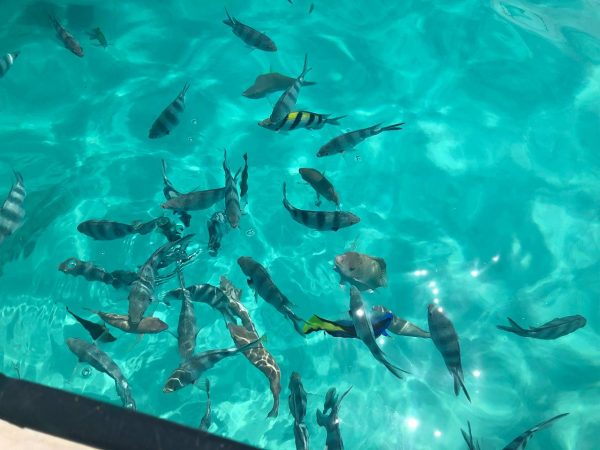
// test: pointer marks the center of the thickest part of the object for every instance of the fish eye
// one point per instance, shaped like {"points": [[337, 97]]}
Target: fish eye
{"points": [[71, 264]]}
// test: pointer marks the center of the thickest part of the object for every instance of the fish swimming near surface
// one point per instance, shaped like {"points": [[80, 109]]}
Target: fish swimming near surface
{"points": [[100, 361], [67, 38], [347, 141], [345, 328], [7, 61], [331, 421], [561, 326], [216, 230], [365, 332], [187, 329], [107, 230], [297, 403], [12, 212], [445, 339], [301, 119], [97, 35], [169, 118], [402, 327], [98, 331], [250, 36], [148, 325], [360, 270], [208, 294], [195, 200], [271, 82], [320, 184], [521, 441], [206, 421], [91, 272], [320, 220], [260, 358], [170, 192], [244, 181], [262, 284], [191, 369], [233, 211], [287, 100]]}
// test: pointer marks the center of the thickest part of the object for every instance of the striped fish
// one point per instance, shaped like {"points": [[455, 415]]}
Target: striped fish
{"points": [[561, 326], [287, 101], [320, 184], [521, 441], [206, 421], [148, 325], [208, 294], [301, 119], [232, 198], [244, 181], [445, 339], [402, 327], [88, 270], [320, 220], [170, 192], [106, 230], [348, 141], [216, 229], [12, 212], [195, 200], [169, 118], [7, 61], [250, 36], [67, 38], [187, 330]]}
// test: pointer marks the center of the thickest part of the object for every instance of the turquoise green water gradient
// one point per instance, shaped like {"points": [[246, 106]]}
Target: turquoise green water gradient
{"points": [[488, 201]]}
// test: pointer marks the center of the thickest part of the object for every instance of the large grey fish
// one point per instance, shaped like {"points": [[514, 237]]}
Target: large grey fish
{"points": [[169, 117], [98, 331], [260, 358], [297, 403], [232, 198], [187, 329], [348, 141], [195, 200], [360, 270], [234, 296], [521, 441], [244, 181], [249, 35], [12, 211], [364, 331], [445, 339], [7, 61], [271, 82], [402, 327], [170, 192], [262, 284], [471, 443], [106, 230], [287, 101], [320, 220], [561, 326], [148, 325], [320, 184], [209, 294], [100, 361], [67, 38], [191, 369], [216, 230], [206, 421], [331, 421], [296, 120]]}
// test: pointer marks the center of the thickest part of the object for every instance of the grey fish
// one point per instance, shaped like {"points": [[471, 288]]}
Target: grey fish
{"points": [[521, 441], [262, 284], [320, 184], [195, 200], [331, 421], [271, 82], [106, 230], [249, 35], [169, 117], [208, 294], [364, 331], [98, 331], [472, 444], [360, 270], [148, 325], [287, 101], [234, 296], [244, 181], [348, 141], [206, 421], [445, 339], [297, 403], [561, 326], [12, 211], [320, 220], [191, 369], [177, 253], [232, 198], [402, 327], [91, 272], [301, 120], [7, 61], [260, 358], [170, 192], [67, 38], [187, 329], [100, 361], [216, 230]]}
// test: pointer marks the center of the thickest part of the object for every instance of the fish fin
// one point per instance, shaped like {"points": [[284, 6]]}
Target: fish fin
{"points": [[393, 127], [459, 383], [514, 328], [334, 120], [305, 69], [230, 20], [547, 423]]}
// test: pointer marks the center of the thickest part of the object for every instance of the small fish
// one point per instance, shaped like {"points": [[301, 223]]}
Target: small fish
{"points": [[100, 361], [148, 325], [99, 332], [268, 83], [191, 369], [67, 38], [232, 198], [287, 101], [206, 421], [297, 404], [195, 200], [98, 35], [12, 211], [187, 329], [445, 339], [169, 118], [365, 332], [107, 230], [250, 36], [347, 141], [170, 192], [345, 328], [331, 421], [300, 119], [244, 181], [472, 444], [320, 184], [91, 272], [521, 441], [208, 294], [561, 326], [216, 230], [360, 270], [320, 220], [7, 61], [169, 229], [402, 327]]}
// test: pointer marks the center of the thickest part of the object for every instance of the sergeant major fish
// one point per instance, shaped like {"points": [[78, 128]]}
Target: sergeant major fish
{"points": [[67, 38], [320, 184], [561, 326], [402, 327], [301, 119], [187, 329], [216, 230], [7, 61], [271, 82], [287, 101], [169, 117], [360, 270], [206, 421], [99, 332], [195, 200], [12, 211], [232, 198], [249, 35], [297, 403], [331, 421], [208, 294], [347, 141], [168, 229], [106, 230], [521, 441], [92, 272]]}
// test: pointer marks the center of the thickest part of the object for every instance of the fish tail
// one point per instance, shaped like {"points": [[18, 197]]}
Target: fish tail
{"points": [[230, 20], [514, 328], [298, 324], [186, 86], [18, 176], [393, 127], [547, 423], [334, 120], [286, 203], [305, 69], [458, 384]]}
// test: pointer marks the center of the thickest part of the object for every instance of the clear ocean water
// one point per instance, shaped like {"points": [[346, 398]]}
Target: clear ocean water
{"points": [[487, 201]]}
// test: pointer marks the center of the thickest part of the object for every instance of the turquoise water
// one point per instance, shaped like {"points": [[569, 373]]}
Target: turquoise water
{"points": [[487, 201]]}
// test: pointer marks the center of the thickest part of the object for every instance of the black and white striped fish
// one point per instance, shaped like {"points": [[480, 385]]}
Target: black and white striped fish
{"points": [[521, 441], [445, 339], [320, 220], [12, 212], [7, 61], [471, 443], [301, 119], [170, 192], [67, 38], [287, 101], [92, 272], [216, 229], [348, 141], [169, 118], [232, 198], [244, 181], [561, 326], [98, 331], [187, 329], [107, 230], [249, 35], [208, 294]]}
